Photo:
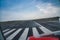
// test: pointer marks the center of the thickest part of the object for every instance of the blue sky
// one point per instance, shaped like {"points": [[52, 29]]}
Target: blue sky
{"points": [[28, 9]]}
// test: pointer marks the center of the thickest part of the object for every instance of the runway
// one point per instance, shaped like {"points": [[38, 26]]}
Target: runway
{"points": [[21, 31]]}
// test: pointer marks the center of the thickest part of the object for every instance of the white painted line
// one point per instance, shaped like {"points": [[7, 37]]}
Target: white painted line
{"points": [[5, 30], [13, 35], [45, 30], [8, 32], [24, 35], [35, 32]]}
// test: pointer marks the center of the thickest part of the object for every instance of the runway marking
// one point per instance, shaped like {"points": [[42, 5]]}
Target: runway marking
{"points": [[30, 33], [35, 32], [24, 35], [45, 30], [13, 35], [5, 30], [8, 32]]}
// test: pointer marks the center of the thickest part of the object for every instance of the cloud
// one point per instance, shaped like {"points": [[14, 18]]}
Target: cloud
{"points": [[48, 10]]}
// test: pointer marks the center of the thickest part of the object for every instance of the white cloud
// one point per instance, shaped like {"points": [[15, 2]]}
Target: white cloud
{"points": [[48, 10]]}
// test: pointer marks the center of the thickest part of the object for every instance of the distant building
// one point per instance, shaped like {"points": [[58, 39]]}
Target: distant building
{"points": [[53, 19]]}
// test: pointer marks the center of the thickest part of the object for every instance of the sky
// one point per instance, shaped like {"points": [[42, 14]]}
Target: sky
{"points": [[28, 9]]}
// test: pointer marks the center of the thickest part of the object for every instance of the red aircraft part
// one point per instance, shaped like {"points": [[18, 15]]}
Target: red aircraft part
{"points": [[43, 38]]}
